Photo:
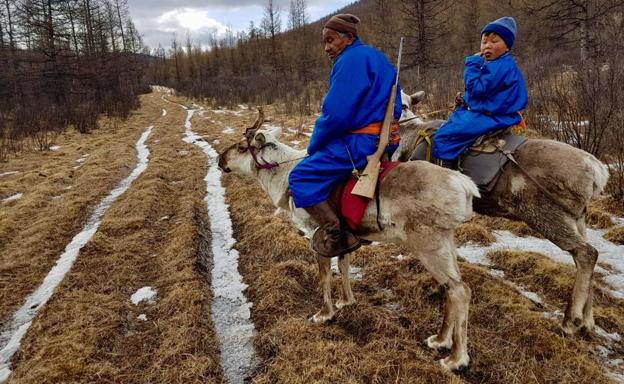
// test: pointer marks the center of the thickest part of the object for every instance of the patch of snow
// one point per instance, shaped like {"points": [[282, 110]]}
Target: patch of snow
{"points": [[183, 153], [609, 253], [216, 141], [399, 257], [228, 130], [557, 314], [613, 337], [355, 273], [306, 134], [11, 337], [9, 173], [612, 255], [230, 309], [375, 243], [295, 142], [534, 297], [17, 196], [83, 158], [603, 351], [164, 112], [142, 317], [497, 273], [55, 148], [241, 106], [147, 294]]}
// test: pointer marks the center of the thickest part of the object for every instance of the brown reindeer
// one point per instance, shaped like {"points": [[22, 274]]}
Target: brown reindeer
{"points": [[571, 176], [421, 205]]}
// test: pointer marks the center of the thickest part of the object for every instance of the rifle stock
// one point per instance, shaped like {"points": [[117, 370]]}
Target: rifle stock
{"points": [[367, 181]]}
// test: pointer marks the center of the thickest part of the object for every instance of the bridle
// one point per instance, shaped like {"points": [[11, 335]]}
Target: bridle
{"points": [[256, 152], [258, 160]]}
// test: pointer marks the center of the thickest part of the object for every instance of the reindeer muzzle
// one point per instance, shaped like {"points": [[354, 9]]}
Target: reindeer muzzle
{"points": [[223, 164]]}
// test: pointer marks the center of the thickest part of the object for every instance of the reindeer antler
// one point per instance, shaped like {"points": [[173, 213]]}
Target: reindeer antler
{"points": [[249, 132]]}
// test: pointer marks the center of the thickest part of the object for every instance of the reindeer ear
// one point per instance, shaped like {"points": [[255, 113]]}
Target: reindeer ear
{"points": [[260, 139], [417, 97], [276, 132]]}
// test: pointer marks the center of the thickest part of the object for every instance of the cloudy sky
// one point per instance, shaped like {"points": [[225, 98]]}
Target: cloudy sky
{"points": [[158, 20]]}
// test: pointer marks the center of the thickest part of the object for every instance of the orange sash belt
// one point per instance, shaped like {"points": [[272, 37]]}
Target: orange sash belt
{"points": [[375, 129]]}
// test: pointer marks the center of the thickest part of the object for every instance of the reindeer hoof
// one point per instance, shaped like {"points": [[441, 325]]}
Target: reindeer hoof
{"points": [[570, 327], [319, 318], [344, 303], [433, 344], [454, 366]]}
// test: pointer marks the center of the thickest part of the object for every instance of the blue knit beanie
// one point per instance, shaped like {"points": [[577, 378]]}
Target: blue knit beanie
{"points": [[505, 27]]}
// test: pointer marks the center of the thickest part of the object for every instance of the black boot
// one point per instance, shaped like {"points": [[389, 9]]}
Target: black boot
{"points": [[330, 239]]}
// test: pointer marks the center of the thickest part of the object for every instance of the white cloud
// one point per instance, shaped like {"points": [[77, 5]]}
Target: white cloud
{"points": [[191, 19]]}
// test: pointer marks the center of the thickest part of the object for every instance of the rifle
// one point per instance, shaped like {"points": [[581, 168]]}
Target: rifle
{"points": [[367, 181]]}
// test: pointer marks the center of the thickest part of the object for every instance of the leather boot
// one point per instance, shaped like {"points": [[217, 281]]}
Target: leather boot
{"points": [[330, 239]]}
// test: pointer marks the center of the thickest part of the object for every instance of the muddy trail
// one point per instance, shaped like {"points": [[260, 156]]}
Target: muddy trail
{"points": [[188, 275]]}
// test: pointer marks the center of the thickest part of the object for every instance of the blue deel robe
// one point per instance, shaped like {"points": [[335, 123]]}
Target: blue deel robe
{"points": [[495, 92], [359, 89]]}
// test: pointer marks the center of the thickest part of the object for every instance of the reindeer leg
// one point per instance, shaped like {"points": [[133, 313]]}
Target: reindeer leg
{"points": [[579, 311], [327, 311], [459, 296], [453, 335], [347, 297]]}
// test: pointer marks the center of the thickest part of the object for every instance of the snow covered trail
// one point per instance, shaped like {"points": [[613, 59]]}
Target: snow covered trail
{"points": [[230, 309], [11, 337]]}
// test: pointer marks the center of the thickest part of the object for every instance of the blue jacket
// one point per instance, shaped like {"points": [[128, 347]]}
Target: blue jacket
{"points": [[495, 92], [359, 89]]}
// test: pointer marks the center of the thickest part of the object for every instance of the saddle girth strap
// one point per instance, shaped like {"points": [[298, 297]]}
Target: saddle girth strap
{"points": [[539, 186]]}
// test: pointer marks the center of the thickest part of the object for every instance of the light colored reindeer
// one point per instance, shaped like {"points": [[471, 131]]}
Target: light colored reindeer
{"points": [[571, 178], [421, 204]]}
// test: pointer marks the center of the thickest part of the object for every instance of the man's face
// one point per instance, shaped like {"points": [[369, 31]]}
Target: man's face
{"points": [[492, 46], [334, 44]]}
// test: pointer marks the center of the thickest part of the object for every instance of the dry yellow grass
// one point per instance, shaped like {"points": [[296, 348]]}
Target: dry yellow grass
{"points": [[473, 232], [88, 332], [58, 198], [380, 339], [153, 235], [518, 228], [553, 282], [615, 235], [598, 218]]}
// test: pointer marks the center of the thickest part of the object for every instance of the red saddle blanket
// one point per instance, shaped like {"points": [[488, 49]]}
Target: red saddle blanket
{"points": [[352, 207]]}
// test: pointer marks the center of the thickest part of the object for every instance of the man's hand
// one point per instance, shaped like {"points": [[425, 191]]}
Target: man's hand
{"points": [[459, 101]]}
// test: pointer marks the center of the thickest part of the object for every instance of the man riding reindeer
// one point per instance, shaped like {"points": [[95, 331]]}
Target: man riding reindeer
{"points": [[346, 132]]}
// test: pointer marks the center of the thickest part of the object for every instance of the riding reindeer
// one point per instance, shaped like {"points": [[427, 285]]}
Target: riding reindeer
{"points": [[420, 205], [548, 186]]}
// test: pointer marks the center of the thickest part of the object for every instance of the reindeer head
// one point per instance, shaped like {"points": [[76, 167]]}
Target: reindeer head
{"points": [[407, 102], [250, 154]]}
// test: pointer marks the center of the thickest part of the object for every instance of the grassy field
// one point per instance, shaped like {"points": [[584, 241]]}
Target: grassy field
{"points": [[156, 235]]}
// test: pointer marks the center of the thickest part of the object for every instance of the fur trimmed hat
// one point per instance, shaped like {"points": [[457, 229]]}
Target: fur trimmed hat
{"points": [[343, 22], [505, 27]]}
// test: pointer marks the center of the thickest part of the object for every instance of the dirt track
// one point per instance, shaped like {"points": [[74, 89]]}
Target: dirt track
{"points": [[155, 235]]}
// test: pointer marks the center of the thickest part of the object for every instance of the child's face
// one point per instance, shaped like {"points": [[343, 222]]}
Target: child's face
{"points": [[492, 46]]}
